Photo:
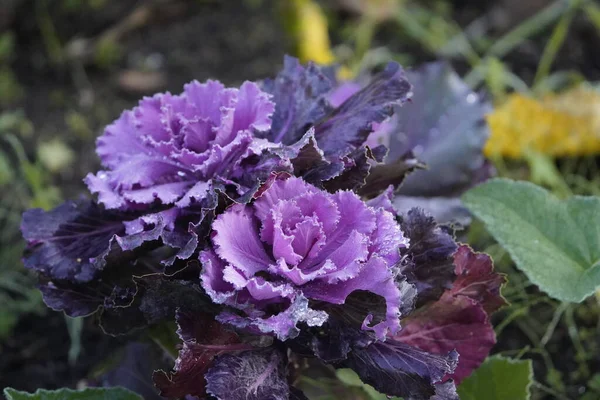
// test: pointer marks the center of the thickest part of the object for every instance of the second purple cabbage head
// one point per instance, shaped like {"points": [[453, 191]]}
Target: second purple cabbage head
{"points": [[296, 245]]}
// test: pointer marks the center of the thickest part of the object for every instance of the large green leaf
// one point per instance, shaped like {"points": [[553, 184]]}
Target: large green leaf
{"points": [[114, 393], [498, 378], [555, 242]]}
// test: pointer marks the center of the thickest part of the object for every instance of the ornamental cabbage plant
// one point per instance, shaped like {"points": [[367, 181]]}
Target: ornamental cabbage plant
{"points": [[168, 148], [264, 221]]}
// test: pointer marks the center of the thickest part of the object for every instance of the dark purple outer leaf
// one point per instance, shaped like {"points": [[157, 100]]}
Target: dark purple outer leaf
{"points": [[349, 125], [126, 302], [398, 369], [73, 241], [355, 172], [203, 339], [134, 370], [310, 163], [156, 297], [333, 152], [91, 259], [299, 96], [77, 240], [430, 266], [251, 375], [332, 342], [381, 176], [59, 298]]}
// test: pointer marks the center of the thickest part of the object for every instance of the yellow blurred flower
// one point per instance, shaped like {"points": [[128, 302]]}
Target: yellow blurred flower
{"points": [[309, 26], [565, 124]]}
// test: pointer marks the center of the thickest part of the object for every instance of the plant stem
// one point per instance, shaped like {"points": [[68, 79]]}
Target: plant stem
{"points": [[552, 326], [556, 41]]}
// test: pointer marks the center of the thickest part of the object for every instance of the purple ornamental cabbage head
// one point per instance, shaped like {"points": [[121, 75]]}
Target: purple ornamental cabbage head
{"points": [[297, 250], [168, 147]]}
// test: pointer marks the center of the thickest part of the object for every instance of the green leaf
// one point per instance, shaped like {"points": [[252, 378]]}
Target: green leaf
{"points": [[164, 334], [350, 378], [498, 378], [114, 393], [555, 242]]}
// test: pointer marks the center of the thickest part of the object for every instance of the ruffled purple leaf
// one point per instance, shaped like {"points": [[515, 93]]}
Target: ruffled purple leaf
{"points": [[77, 240], [397, 369], [428, 260], [284, 324], [361, 303], [265, 159], [250, 375], [384, 200], [349, 125], [167, 149], [382, 285], [327, 141], [203, 339], [185, 229], [300, 100]]}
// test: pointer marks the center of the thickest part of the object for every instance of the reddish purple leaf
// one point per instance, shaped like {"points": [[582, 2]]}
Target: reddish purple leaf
{"points": [[459, 320], [475, 278], [451, 323], [203, 340]]}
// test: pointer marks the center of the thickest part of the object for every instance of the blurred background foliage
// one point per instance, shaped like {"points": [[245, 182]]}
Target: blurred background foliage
{"points": [[68, 67]]}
